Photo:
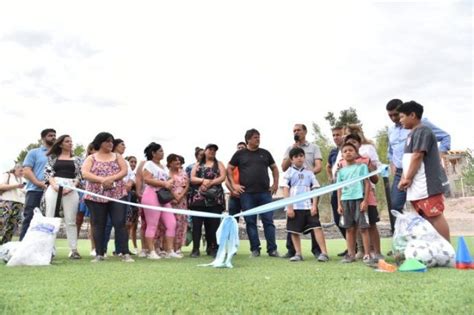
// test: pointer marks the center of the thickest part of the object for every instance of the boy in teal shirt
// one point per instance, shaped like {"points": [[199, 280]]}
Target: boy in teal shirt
{"points": [[353, 202]]}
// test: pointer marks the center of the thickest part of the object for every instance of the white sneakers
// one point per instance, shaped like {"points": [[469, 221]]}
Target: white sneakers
{"points": [[173, 254], [127, 258], [153, 255]]}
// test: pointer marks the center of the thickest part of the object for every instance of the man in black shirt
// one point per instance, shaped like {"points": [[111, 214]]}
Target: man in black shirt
{"points": [[254, 189]]}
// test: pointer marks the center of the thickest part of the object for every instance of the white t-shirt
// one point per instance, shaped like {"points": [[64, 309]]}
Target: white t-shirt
{"points": [[368, 150], [157, 172], [130, 173], [17, 194]]}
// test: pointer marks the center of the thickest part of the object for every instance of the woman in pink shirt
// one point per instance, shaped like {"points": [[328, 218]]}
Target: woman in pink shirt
{"points": [[103, 172]]}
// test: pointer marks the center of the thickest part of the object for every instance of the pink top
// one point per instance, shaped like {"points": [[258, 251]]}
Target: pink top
{"points": [[105, 169], [180, 181]]}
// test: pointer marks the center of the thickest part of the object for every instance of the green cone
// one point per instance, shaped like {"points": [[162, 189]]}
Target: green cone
{"points": [[412, 265]]}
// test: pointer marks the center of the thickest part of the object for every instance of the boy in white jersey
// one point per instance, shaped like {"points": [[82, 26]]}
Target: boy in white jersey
{"points": [[302, 217]]}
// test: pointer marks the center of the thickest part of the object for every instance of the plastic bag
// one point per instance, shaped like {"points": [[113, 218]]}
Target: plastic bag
{"points": [[36, 248], [7, 250], [416, 238]]}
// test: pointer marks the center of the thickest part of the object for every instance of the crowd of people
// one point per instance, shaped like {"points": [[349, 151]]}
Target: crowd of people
{"points": [[52, 170]]}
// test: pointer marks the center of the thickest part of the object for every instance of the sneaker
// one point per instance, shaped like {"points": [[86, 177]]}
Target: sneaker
{"points": [[342, 254], [105, 255], [287, 255], [296, 258], [359, 255], [162, 253], [378, 257], [366, 259], [133, 251], [127, 258], [143, 254], [274, 253], [93, 253], [195, 254], [323, 257], [153, 255], [348, 259], [97, 259], [74, 255], [255, 253], [173, 254]]}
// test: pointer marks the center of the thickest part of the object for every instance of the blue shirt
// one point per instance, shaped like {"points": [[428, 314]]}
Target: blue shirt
{"points": [[356, 190], [397, 137], [333, 156], [36, 159]]}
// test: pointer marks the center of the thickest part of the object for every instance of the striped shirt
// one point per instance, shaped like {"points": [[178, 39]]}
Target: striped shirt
{"points": [[300, 181]]}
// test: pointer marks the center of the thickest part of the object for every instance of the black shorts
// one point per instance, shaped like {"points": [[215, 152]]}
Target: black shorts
{"points": [[373, 215], [303, 222]]}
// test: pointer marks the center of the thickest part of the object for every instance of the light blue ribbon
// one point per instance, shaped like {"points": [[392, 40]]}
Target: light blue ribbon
{"points": [[228, 231]]}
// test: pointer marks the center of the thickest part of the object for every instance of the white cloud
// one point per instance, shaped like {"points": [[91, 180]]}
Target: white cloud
{"points": [[189, 73]]}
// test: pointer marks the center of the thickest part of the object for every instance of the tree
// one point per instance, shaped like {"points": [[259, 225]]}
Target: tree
{"points": [[346, 117], [381, 144], [22, 155], [77, 151], [468, 172], [325, 146]]}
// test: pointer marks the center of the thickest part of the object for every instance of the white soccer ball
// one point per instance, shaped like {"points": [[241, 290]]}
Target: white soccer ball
{"points": [[422, 251]]}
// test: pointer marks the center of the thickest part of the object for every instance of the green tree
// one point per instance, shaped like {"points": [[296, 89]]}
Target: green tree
{"points": [[325, 145], [346, 117], [468, 172], [381, 144], [77, 151], [22, 155]]}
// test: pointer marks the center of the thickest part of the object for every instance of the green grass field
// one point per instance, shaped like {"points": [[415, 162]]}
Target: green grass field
{"points": [[254, 285]]}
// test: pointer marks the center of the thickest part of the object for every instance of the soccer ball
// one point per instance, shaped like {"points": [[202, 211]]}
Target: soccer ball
{"points": [[445, 255], [422, 251]]}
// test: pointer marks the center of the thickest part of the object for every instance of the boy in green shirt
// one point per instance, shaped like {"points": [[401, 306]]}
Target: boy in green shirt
{"points": [[353, 202]]}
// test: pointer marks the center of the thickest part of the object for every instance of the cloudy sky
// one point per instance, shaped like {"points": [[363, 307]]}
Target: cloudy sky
{"points": [[186, 73]]}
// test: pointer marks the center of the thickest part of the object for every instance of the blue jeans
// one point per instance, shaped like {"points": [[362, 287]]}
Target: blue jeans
{"points": [[252, 200], [398, 197], [108, 230], [99, 215], [32, 201], [234, 207]]}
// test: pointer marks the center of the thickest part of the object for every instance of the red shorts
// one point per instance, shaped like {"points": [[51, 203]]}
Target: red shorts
{"points": [[432, 206]]}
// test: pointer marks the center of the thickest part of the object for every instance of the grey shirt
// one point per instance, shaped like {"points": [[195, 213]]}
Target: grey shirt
{"points": [[428, 180], [311, 152]]}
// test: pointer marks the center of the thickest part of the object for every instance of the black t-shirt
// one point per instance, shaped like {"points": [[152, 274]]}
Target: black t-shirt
{"points": [[253, 169]]}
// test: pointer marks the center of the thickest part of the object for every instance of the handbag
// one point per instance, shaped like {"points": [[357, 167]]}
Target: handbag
{"points": [[211, 193], [164, 196]]}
